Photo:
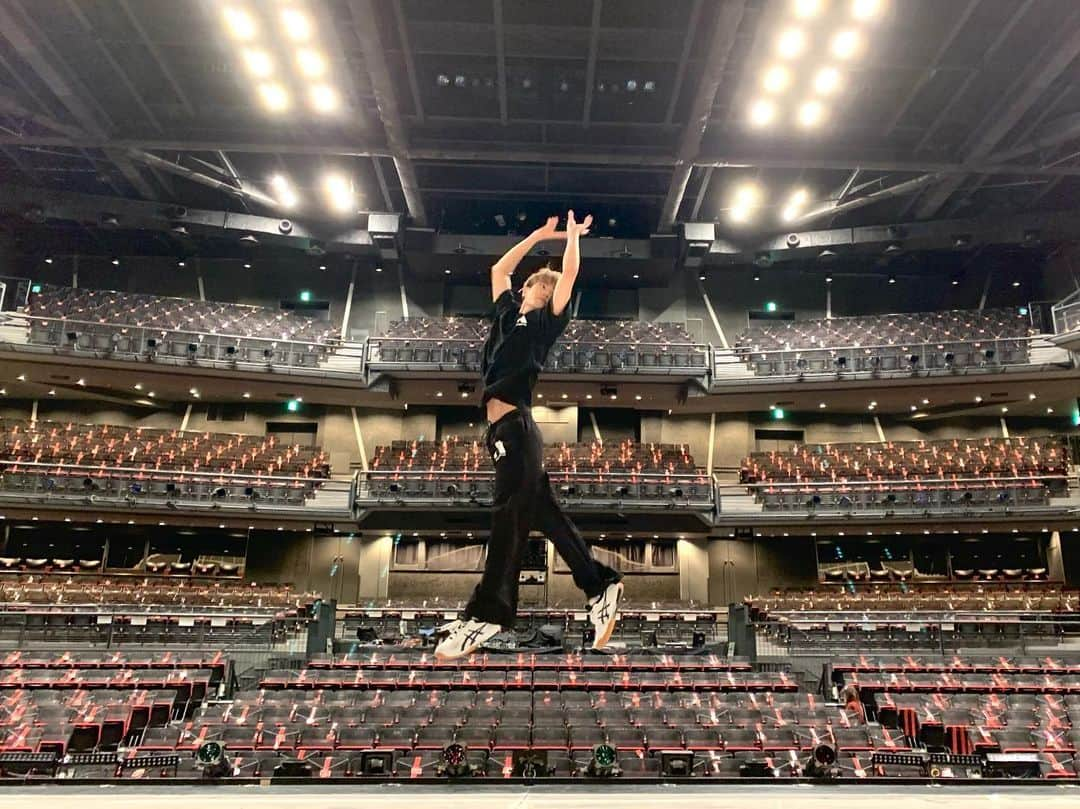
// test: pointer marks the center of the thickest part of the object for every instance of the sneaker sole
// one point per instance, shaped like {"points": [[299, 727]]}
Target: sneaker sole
{"points": [[602, 640]]}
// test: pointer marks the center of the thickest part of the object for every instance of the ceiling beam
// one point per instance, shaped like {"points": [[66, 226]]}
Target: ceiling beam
{"points": [[836, 208], [590, 64], [702, 191], [153, 161], [1061, 131], [725, 30], [500, 59], [1045, 68], [384, 189], [363, 14], [24, 36], [684, 59], [931, 69], [159, 59], [410, 64]]}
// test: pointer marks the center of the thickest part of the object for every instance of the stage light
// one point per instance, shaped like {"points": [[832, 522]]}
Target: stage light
{"points": [[866, 9], [892, 279], [324, 98], [116, 262], [312, 64], [845, 44], [791, 43], [258, 62], [211, 758], [811, 113], [827, 81], [762, 112], [239, 23], [297, 24], [48, 260], [283, 191], [676, 763], [274, 96], [795, 204], [805, 9], [339, 193], [454, 762], [776, 79], [746, 199], [604, 763]]}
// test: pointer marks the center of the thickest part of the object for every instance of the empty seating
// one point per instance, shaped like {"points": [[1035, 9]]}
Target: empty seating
{"points": [[58, 458], [587, 346], [961, 473], [945, 340], [106, 321], [460, 468]]}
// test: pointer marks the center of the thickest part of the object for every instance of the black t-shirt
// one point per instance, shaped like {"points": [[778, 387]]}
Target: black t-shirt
{"points": [[516, 348]]}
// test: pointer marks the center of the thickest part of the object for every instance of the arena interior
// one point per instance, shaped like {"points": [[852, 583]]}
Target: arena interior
{"points": [[819, 400]]}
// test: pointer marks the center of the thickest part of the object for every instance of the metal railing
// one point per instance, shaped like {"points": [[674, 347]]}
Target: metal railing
{"points": [[216, 350], [865, 633], [1067, 314], [582, 356], [685, 489], [942, 357], [104, 483]]}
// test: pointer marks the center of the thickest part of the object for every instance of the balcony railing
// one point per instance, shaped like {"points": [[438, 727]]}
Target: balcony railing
{"points": [[619, 357], [1067, 314], [868, 361]]}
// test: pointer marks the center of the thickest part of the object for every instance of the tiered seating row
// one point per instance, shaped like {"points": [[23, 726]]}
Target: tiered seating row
{"points": [[423, 662], [915, 598], [587, 346], [170, 591]]}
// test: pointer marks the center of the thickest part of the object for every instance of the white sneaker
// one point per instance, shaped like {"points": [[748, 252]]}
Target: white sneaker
{"points": [[448, 627], [465, 639], [604, 612]]}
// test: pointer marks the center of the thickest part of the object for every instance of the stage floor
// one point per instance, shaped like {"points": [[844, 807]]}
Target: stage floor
{"points": [[544, 797]]}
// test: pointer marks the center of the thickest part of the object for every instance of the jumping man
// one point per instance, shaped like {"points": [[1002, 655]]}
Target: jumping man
{"points": [[524, 327]]}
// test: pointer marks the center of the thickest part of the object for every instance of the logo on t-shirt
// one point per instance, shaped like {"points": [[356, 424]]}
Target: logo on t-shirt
{"points": [[500, 451], [521, 321]]}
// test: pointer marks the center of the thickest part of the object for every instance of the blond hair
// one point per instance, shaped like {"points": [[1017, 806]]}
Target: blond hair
{"points": [[545, 275]]}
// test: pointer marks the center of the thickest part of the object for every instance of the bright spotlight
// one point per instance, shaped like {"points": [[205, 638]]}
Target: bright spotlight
{"points": [[795, 204], [311, 63], [274, 96], [791, 43], [339, 193], [827, 81], [239, 22], [258, 62], [805, 9], [846, 44], [746, 199], [866, 9], [776, 79], [283, 191], [324, 98], [296, 23], [762, 112], [811, 114]]}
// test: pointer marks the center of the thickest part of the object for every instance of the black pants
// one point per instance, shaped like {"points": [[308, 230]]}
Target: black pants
{"points": [[524, 500]]}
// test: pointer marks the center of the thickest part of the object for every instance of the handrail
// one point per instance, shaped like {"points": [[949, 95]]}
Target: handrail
{"points": [[328, 342], [171, 473], [576, 341], [702, 478], [987, 482], [937, 344]]}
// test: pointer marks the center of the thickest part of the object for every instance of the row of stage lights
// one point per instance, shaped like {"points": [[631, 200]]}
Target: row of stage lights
{"points": [[797, 41], [749, 198], [307, 68], [460, 81]]}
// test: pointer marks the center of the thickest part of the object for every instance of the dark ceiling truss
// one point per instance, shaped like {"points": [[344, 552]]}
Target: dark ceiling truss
{"points": [[590, 64], [159, 59], [410, 64]]}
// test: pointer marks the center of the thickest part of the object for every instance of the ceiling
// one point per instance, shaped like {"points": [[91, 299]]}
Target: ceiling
{"points": [[481, 116]]}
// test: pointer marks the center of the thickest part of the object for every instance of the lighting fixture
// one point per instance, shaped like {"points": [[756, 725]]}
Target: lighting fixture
{"points": [[274, 96], [21, 377], [822, 406], [438, 394], [746, 199], [604, 762], [978, 399], [297, 24], [339, 193], [247, 395], [795, 204], [48, 260], [311, 63], [283, 191], [324, 98], [239, 23], [1032, 397], [791, 43], [1049, 410], [811, 114], [258, 62], [805, 9], [1004, 410], [82, 382], [845, 44], [826, 81], [762, 112], [116, 262], [1016, 283], [866, 9], [892, 279], [776, 79]]}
